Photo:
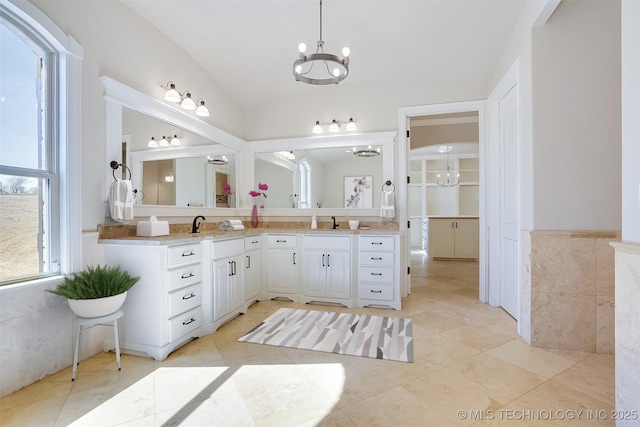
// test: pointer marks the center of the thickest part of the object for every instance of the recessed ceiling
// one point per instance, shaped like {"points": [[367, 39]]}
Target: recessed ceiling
{"points": [[249, 46]]}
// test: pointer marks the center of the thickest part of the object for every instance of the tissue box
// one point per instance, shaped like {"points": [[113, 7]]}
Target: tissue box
{"points": [[153, 228]]}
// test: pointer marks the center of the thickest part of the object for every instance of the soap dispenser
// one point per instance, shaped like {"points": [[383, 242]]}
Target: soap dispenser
{"points": [[314, 222]]}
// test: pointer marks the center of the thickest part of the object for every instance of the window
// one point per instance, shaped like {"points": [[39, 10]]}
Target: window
{"points": [[32, 140], [304, 176]]}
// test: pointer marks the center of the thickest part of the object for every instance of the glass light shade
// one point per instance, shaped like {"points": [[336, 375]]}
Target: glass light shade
{"points": [[351, 126], [152, 143], [164, 142], [188, 103], [334, 127], [168, 178], [346, 51], [317, 128], [298, 69], [175, 140], [172, 94], [202, 111], [302, 48], [336, 72]]}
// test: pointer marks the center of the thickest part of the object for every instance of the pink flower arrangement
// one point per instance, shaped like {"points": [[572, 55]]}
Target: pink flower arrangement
{"points": [[227, 189], [263, 192], [264, 188]]}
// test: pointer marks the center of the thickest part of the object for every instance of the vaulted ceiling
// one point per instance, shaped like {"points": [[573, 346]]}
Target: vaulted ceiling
{"points": [[396, 46]]}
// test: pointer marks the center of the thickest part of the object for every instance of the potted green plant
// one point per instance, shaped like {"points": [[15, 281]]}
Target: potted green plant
{"points": [[96, 291]]}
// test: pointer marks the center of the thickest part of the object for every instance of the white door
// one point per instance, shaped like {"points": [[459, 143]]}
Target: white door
{"points": [[509, 296]]}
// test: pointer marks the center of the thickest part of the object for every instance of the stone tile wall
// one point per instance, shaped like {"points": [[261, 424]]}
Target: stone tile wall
{"points": [[572, 290]]}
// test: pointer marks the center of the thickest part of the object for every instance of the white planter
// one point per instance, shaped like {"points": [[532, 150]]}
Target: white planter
{"points": [[97, 307]]}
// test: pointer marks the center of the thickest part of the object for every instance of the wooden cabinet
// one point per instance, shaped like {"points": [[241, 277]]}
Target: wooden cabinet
{"points": [[379, 271], [252, 268], [326, 268], [282, 261], [453, 238], [164, 309], [227, 271]]}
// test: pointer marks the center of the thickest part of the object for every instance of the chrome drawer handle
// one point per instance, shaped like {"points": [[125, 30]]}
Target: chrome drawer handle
{"points": [[186, 276], [376, 259], [375, 292], [189, 296], [185, 254], [376, 274], [186, 322]]}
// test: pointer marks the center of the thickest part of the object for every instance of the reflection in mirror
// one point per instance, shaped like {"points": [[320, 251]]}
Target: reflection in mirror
{"points": [[320, 178], [193, 172]]}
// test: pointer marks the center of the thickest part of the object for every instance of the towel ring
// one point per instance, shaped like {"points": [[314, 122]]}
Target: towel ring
{"points": [[115, 165], [386, 184]]}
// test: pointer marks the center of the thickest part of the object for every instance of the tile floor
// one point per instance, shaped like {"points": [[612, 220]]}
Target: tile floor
{"points": [[470, 368]]}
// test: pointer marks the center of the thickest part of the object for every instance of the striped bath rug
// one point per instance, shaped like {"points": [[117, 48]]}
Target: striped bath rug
{"points": [[378, 337]]}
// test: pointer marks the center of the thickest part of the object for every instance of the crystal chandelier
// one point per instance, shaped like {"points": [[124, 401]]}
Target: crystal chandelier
{"points": [[448, 180], [322, 74]]}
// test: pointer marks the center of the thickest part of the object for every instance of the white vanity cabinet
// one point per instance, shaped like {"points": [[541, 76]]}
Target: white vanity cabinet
{"points": [[379, 271], [282, 260], [326, 268], [227, 269], [252, 267], [164, 309]]}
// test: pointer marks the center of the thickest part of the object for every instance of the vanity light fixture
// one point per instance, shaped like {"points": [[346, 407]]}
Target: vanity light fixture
{"points": [[448, 181], [152, 143], [287, 155], [334, 126], [303, 67], [366, 152], [185, 100], [164, 142]]}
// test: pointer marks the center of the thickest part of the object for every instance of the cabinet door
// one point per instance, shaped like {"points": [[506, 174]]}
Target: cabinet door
{"points": [[441, 238], [338, 274], [220, 293], [282, 271], [236, 284], [314, 273], [466, 238], [252, 274]]}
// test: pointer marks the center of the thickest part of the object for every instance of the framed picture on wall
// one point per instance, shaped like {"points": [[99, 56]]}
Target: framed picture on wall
{"points": [[358, 191]]}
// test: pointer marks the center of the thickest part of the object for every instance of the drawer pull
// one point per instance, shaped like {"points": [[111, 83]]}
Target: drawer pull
{"points": [[189, 296], [187, 276], [255, 241], [186, 322], [375, 292], [376, 258], [281, 241], [190, 253], [376, 243], [376, 274]]}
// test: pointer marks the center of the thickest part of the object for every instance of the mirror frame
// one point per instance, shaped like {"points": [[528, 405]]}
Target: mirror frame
{"points": [[118, 96]]}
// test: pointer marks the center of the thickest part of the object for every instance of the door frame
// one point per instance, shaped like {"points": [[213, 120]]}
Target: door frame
{"points": [[404, 116]]}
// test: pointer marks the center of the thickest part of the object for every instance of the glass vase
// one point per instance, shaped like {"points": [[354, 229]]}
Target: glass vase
{"points": [[254, 216]]}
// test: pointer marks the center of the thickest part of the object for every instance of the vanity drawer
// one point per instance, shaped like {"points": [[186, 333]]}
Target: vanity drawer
{"points": [[376, 258], [285, 241], [185, 299], [376, 243], [376, 292], [185, 323], [184, 276], [186, 254], [252, 242], [376, 274], [227, 248]]}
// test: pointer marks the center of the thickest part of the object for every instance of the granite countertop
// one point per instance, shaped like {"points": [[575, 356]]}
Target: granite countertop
{"points": [[182, 237]]}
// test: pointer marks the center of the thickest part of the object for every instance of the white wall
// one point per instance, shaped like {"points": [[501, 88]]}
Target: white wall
{"points": [[120, 44], [576, 111]]}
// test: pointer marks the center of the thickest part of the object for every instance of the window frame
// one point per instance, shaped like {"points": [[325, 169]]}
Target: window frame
{"points": [[63, 135]]}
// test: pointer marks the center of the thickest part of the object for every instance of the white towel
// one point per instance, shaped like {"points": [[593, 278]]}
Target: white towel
{"points": [[232, 222], [387, 205], [121, 200], [231, 227]]}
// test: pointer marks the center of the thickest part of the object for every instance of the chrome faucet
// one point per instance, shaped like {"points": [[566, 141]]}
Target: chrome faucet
{"points": [[334, 223], [196, 224]]}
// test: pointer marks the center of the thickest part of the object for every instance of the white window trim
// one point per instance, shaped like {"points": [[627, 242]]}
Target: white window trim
{"points": [[66, 124]]}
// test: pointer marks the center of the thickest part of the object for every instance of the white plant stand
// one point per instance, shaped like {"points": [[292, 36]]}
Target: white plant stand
{"points": [[79, 322]]}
